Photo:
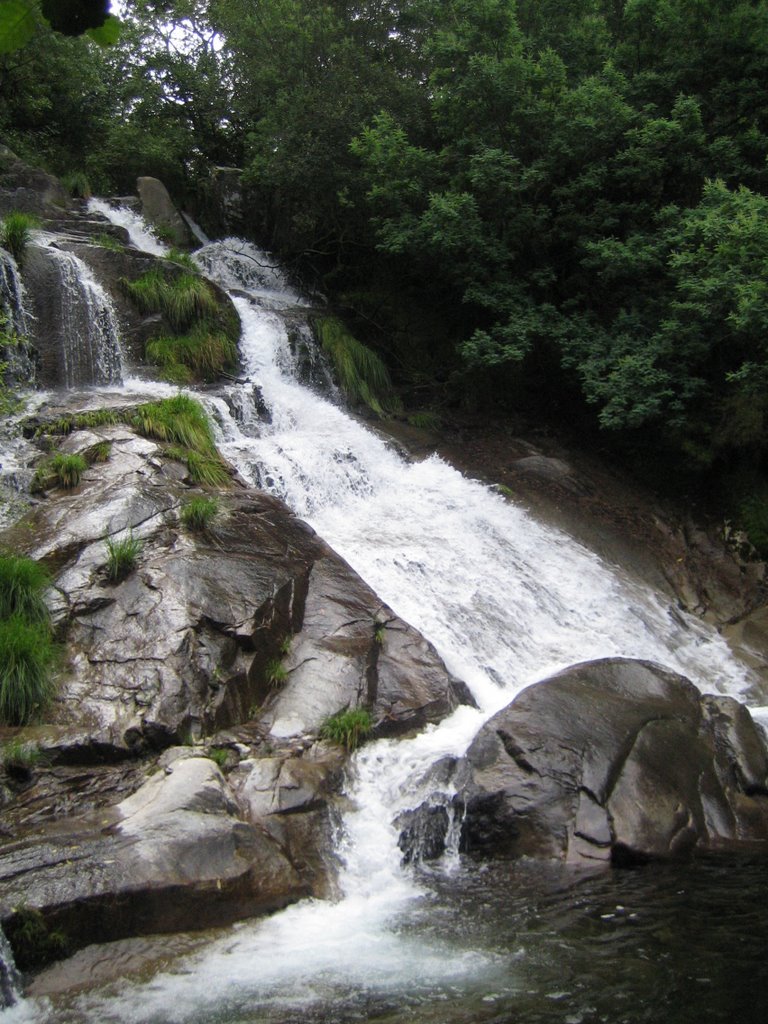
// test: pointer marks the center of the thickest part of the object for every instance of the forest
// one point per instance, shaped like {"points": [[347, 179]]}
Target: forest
{"points": [[549, 210]]}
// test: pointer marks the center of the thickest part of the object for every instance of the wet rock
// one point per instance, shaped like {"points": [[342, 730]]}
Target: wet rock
{"points": [[615, 760], [553, 470], [28, 189], [158, 208], [175, 855], [423, 833]]}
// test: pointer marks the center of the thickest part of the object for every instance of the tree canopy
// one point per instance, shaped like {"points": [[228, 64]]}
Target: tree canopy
{"points": [[543, 205]]}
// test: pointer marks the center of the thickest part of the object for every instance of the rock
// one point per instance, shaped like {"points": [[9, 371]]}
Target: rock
{"points": [[176, 855], [615, 760], [553, 470], [157, 208], [28, 189]]}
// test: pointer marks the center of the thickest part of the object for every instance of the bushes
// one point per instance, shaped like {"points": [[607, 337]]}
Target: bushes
{"points": [[14, 234], [348, 728], [27, 651]]}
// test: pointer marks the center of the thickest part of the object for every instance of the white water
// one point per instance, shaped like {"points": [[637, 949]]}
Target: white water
{"points": [[505, 599], [140, 233]]}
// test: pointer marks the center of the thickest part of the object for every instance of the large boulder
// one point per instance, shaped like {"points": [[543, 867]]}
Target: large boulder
{"points": [[157, 207], [615, 761]]}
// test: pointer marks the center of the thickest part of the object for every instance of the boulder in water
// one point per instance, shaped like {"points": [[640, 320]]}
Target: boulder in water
{"points": [[615, 761], [157, 208]]}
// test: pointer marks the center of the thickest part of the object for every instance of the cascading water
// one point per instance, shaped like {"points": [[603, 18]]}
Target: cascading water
{"points": [[88, 340], [504, 599], [10, 982], [12, 294]]}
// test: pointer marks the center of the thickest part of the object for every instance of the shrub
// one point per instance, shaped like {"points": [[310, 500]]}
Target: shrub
{"points": [[348, 728], [199, 513], [14, 234], [23, 581], [122, 556], [27, 655], [361, 373], [68, 469]]}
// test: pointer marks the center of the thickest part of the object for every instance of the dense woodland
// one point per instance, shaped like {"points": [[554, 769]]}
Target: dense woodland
{"points": [[548, 208]]}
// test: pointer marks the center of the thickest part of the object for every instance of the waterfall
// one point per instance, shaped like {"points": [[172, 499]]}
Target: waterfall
{"points": [[10, 982], [505, 600], [139, 232], [12, 294], [88, 335]]}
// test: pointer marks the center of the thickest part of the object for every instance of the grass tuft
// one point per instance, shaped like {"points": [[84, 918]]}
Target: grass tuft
{"points": [[15, 230], [182, 300], [276, 673], [18, 754], [361, 373], [23, 581], [77, 184], [68, 469], [348, 728], [202, 354], [122, 557], [199, 513], [27, 656]]}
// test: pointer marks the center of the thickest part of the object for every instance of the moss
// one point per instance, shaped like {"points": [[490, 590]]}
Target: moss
{"points": [[34, 944]]}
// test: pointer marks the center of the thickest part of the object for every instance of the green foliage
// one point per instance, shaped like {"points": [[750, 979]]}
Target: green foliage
{"points": [[34, 944], [753, 520], [275, 672], [68, 469], [79, 421], [122, 557], [426, 419], [361, 373], [99, 452], [198, 513], [184, 259], [348, 728], [183, 299], [202, 355], [78, 185], [15, 230], [219, 755], [180, 420], [27, 657], [23, 583], [107, 241]]}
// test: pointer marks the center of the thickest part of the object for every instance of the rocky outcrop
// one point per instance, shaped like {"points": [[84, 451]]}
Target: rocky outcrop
{"points": [[157, 208], [242, 639], [615, 761], [28, 189]]}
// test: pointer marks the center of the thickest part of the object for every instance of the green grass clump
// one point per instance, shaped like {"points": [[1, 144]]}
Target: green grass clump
{"points": [[219, 755], [199, 513], [183, 299], [15, 230], [106, 241], [182, 422], [184, 259], [79, 421], [348, 728], [68, 469], [23, 582], [27, 656], [122, 556], [202, 354], [276, 673], [99, 452], [361, 373], [77, 184]]}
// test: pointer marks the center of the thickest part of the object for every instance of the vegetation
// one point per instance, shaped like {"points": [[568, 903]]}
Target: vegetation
{"points": [[276, 673], [202, 355], [107, 241], [361, 373], [198, 513], [34, 944], [547, 209], [122, 557], [348, 728], [68, 469], [79, 421], [182, 299], [23, 583], [15, 230], [27, 657], [219, 755], [77, 184], [20, 755], [182, 422]]}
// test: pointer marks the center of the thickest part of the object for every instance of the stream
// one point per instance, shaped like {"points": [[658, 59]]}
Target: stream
{"points": [[506, 601]]}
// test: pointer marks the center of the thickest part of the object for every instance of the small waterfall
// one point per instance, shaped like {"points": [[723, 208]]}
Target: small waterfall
{"points": [[86, 323], [10, 980], [12, 294], [141, 235]]}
